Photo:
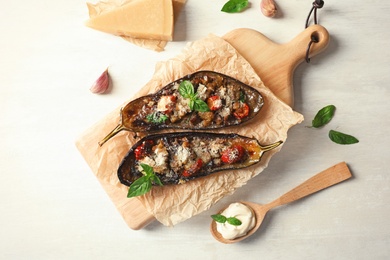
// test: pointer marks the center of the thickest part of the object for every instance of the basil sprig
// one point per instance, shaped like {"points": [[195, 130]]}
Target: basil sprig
{"points": [[234, 6], [323, 116], [156, 118], [341, 138], [186, 89], [222, 219], [144, 184]]}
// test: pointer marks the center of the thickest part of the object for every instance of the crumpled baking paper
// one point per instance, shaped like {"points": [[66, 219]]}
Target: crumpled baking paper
{"points": [[105, 6], [172, 204]]}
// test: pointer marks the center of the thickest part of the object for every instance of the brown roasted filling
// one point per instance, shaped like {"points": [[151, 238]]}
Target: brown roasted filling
{"points": [[226, 103], [184, 158]]}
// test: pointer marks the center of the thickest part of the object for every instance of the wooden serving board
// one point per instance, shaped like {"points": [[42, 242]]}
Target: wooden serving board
{"points": [[274, 63]]}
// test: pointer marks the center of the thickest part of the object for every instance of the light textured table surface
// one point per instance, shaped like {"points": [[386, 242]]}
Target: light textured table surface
{"points": [[52, 206]]}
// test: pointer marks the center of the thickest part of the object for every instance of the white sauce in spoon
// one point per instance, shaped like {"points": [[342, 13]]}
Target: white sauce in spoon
{"points": [[241, 212]]}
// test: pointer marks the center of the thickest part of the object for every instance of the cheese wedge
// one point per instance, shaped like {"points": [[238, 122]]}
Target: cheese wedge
{"points": [[142, 19]]}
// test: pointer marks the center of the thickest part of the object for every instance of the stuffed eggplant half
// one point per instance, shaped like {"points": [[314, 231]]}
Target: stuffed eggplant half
{"points": [[200, 101], [175, 158]]}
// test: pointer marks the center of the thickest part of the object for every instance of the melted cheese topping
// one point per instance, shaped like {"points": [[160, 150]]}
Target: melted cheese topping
{"points": [[164, 103]]}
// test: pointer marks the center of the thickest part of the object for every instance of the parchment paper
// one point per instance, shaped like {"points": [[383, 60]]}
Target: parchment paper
{"points": [[175, 203], [156, 45]]}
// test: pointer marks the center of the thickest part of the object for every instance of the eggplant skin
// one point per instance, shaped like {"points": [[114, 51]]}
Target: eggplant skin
{"points": [[207, 84], [179, 157]]}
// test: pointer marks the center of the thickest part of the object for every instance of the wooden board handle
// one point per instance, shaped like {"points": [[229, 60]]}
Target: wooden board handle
{"points": [[300, 44], [275, 63]]}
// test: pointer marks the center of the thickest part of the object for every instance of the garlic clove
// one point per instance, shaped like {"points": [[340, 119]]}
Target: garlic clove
{"points": [[268, 8], [101, 84]]}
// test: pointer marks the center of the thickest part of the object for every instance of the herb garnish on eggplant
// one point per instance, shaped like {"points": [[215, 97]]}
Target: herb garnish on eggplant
{"points": [[204, 100], [176, 158]]}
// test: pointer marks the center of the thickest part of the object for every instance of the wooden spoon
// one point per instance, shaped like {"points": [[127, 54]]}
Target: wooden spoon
{"points": [[322, 180]]}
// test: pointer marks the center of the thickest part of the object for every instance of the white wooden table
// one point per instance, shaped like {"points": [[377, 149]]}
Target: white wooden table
{"points": [[52, 207]]}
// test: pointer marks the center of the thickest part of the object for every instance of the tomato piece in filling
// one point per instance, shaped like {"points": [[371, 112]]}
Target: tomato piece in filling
{"points": [[143, 149], [193, 168], [232, 154], [242, 111], [214, 102]]}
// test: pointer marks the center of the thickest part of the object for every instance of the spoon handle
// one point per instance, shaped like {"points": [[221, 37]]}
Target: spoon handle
{"points": [[322, 180]]}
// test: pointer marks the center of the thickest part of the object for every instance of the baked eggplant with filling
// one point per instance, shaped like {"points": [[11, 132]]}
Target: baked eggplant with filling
{"points": [[179, 157], [203, 100]]}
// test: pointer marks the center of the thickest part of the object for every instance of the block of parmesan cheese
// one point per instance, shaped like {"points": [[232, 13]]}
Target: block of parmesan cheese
{"points": [[142, 19]]}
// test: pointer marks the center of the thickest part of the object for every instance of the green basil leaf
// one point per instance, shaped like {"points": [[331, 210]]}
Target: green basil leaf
{"points": [[242, 97], [147, 169], [341, 138], [234, 221], [192, 104], [139, 187], [162, 118], [234, 6], [156, 118], [150, 118], [156, 180], [323, 116], [200, 105], [186, 89], [219, 218]]}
